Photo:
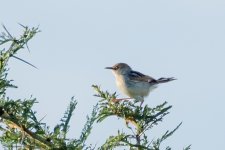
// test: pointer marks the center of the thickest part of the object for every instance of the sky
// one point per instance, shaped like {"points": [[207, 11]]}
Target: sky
{"points": [[164, 38]]}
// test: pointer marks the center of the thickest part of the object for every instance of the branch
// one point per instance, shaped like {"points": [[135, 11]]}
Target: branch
{"points": [[12, 121]]}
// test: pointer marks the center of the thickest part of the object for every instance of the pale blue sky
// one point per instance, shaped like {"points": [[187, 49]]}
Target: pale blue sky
{"points": [[180, 38]]}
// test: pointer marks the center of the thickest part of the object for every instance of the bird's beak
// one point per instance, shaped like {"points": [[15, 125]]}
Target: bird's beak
{"points": [[108, 67]]}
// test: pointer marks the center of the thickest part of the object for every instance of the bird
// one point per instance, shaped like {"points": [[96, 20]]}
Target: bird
{"points": [[135, 84]]}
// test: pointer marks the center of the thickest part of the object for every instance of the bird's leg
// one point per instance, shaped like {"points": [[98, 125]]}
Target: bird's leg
{"points": [[141, 103], [142, 100], [120, 99]]}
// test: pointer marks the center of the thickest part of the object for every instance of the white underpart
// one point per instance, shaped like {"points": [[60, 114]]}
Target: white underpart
{"points": [[138, 91]]}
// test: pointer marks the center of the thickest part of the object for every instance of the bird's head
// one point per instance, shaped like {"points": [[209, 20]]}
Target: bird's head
{"points": [[120, 68]]}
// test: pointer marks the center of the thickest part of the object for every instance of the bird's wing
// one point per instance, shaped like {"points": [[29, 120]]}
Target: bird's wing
{"points": [[137, 76]]}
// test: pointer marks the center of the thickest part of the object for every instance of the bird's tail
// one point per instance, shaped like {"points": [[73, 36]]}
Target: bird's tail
{"points": [[164, 80]]}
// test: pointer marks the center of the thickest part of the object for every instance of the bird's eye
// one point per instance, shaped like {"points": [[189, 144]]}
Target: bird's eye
{"points": [[116, 67]]}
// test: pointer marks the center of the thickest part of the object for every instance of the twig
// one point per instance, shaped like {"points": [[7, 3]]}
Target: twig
{"points": [[15, 123]]}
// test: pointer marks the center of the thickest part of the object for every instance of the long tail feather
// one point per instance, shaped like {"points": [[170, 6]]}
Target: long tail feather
{"points": [[164, 80]]}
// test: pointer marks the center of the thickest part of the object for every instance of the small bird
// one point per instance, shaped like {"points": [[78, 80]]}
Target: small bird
{"points": [[133, 83]]}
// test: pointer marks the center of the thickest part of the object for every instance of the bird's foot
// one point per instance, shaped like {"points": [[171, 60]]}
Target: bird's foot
{"points": [[116, 100]]}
